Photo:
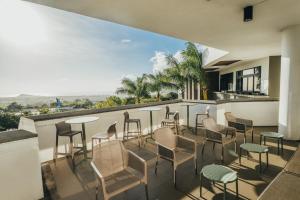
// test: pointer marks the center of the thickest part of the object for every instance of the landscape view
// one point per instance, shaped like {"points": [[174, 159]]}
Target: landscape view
{"points": [[112, 65]]}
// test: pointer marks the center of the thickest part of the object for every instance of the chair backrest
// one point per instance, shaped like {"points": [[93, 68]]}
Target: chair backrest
{"points": [[112, 130], [207, 110], [62, 128], [229, 117], [167, 109], [166, 137], [126, 116], [210, 124], [176, 117], [110, 157]]}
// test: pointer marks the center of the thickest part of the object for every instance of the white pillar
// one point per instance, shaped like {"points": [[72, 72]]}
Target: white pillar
{"points": [[186, 90], [199, 92], [193, 90], [289, 105]]}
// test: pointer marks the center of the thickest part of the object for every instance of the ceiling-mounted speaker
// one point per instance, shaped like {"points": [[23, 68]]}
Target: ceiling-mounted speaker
{"points": [[248, 13]]}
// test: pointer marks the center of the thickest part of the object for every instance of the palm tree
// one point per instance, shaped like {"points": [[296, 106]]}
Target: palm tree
{"points": [[176, 73], [136, 88], [157, 82], [193, 63]]}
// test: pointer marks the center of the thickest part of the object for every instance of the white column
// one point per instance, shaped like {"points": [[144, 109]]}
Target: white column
{"points": [[193, 90], [289, 105], [199, 92], [186, 90]]}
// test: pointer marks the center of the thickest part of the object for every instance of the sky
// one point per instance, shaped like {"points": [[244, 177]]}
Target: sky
{"points": [[46, 51]]}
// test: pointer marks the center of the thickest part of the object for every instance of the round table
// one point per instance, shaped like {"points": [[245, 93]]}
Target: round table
{"points": [[273, 135], [255, 148], [220, 174], [150, 110], [82, 121], [188, 112]]}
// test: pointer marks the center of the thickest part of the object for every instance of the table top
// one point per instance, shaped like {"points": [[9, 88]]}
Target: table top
{"points": [[256, 148], [80, 120], [219, 173], [150, 109], [272, 134]]}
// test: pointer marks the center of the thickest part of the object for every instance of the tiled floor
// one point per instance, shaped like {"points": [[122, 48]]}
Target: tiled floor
{"points": [[81, 184]]}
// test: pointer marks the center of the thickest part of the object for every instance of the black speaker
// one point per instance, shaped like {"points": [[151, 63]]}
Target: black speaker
{"points": [[248, 13]]}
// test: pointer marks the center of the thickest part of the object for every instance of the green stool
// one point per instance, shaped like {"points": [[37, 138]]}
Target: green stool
{"points": [[255, 148], [273, 135], [220, 174]]}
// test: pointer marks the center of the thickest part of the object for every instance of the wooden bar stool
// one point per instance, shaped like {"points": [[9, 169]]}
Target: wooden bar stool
{"points": [[64, 130], [131, 134]]}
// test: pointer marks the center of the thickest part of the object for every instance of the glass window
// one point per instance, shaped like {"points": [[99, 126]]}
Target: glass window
{"points": [[245, 83], [248, 72]]}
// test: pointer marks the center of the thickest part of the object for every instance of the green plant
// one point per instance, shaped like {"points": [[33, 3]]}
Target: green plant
{"points": [[8, 121], [137, 88]]}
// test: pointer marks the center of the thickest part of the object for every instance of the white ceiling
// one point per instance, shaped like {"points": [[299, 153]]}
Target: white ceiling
{"points": [[215, 23]]}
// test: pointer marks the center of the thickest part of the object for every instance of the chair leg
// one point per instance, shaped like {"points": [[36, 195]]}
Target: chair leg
{"points": [[201, 179], [72, 152], [196, 128], [55, 150], [156, 163], [196, 166], [222, 154], [146, 191], [124, 128], [174, 174], [97, 189], [202, 152], [237, 188], [139, 133]]}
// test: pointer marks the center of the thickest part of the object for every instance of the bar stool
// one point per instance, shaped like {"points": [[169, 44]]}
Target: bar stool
{"points": [[126, 130], [168, 113], [199, 123], [111, 131], [64, 130], [172, 123]]}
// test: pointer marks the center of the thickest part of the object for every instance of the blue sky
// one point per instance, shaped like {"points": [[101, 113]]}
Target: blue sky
{"points": [[52, 52]]}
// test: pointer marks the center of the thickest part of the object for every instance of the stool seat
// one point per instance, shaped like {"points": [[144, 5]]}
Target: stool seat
{"points": [[70, 133], [219, 173]]}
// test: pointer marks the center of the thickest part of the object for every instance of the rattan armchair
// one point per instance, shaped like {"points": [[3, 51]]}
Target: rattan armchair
{"points": [[117, 169], [174, 148], [242, 125], [219, 134]]}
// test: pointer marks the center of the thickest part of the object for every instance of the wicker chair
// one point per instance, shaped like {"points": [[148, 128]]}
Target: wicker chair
{"points": [[199, 123], [132, 134], [172, 123], [219, 134], [174, 148], [111, 131], [242, 125], [168, 112], [117, 169]]}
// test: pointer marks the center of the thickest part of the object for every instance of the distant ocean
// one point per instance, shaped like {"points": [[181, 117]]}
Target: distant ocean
{"points": [[25, 99]]}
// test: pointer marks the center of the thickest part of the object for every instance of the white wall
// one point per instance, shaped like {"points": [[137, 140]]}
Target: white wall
{"points": [[20, 170], [263, 62]]}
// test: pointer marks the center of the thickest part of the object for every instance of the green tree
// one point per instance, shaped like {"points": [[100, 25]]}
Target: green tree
{"points": [[44, 109], [14, 107], [109, 102], [176, 73], [8, 121], [192, 62], [157, 82], [137, 88]]}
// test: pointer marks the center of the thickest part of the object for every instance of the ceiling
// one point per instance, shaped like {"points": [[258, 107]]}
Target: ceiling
{"points": [[215, 23]]}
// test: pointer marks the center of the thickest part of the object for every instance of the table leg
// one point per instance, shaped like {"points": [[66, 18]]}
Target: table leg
{"points": [[264, 140], [84, 141], [237, 188], [188, 116], [240, 152], [278, 146], [267, 154], [282, 145], [224, 191], [259, 162], [151, 124], [260, 139], [201, 179]]}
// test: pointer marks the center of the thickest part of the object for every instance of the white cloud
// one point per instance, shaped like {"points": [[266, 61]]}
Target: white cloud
{"points": [[178, 56], [159, 61], [125, 41]]}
